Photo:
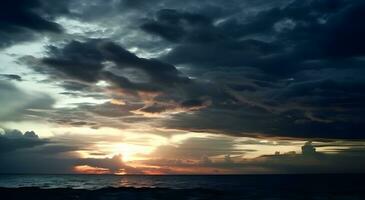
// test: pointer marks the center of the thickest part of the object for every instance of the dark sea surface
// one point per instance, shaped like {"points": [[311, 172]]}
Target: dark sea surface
{"points": [[341, 186]]}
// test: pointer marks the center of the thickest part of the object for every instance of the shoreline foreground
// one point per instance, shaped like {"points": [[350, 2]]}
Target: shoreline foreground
{"points": [[127, 193]]}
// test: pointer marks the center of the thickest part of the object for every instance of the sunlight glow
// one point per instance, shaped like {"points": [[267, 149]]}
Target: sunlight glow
{"points": [[131, 151], [86, 169]]}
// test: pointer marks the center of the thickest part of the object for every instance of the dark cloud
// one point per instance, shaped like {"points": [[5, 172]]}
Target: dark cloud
{"points": [[22, 20], [306, 105], [192, 103], [308, 148], [12, 140], [155, 108], [300, 31], [97, 60], [74, 86], [255, 122], [54, 149], [176, 26], [252, 68], [11, 77], [287, 45], [88, 62], [76, 60], [349, 30]]}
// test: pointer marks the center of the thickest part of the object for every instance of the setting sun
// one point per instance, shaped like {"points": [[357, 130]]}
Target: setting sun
{"points": [[131, 151]]}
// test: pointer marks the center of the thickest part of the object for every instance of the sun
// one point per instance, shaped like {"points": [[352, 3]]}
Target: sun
{"points": [[131, 152]]}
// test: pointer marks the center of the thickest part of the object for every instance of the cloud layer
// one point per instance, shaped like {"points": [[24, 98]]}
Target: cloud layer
{"points": [[283, 70], [279, 71]]}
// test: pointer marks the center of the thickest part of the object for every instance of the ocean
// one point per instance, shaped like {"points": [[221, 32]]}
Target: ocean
{"points": [[315, 186]]}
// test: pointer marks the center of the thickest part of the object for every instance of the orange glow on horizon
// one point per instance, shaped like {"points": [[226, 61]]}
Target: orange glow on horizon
{"points": [[86, 169]]}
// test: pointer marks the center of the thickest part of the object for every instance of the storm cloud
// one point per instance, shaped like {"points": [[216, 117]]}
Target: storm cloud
{"points": [[88, 61], [12, 140], [23, 20], [275, 71], [288, 70]]}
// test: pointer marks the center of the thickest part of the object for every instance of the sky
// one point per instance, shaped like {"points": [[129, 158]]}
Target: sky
{"points": [[182, 87]]}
